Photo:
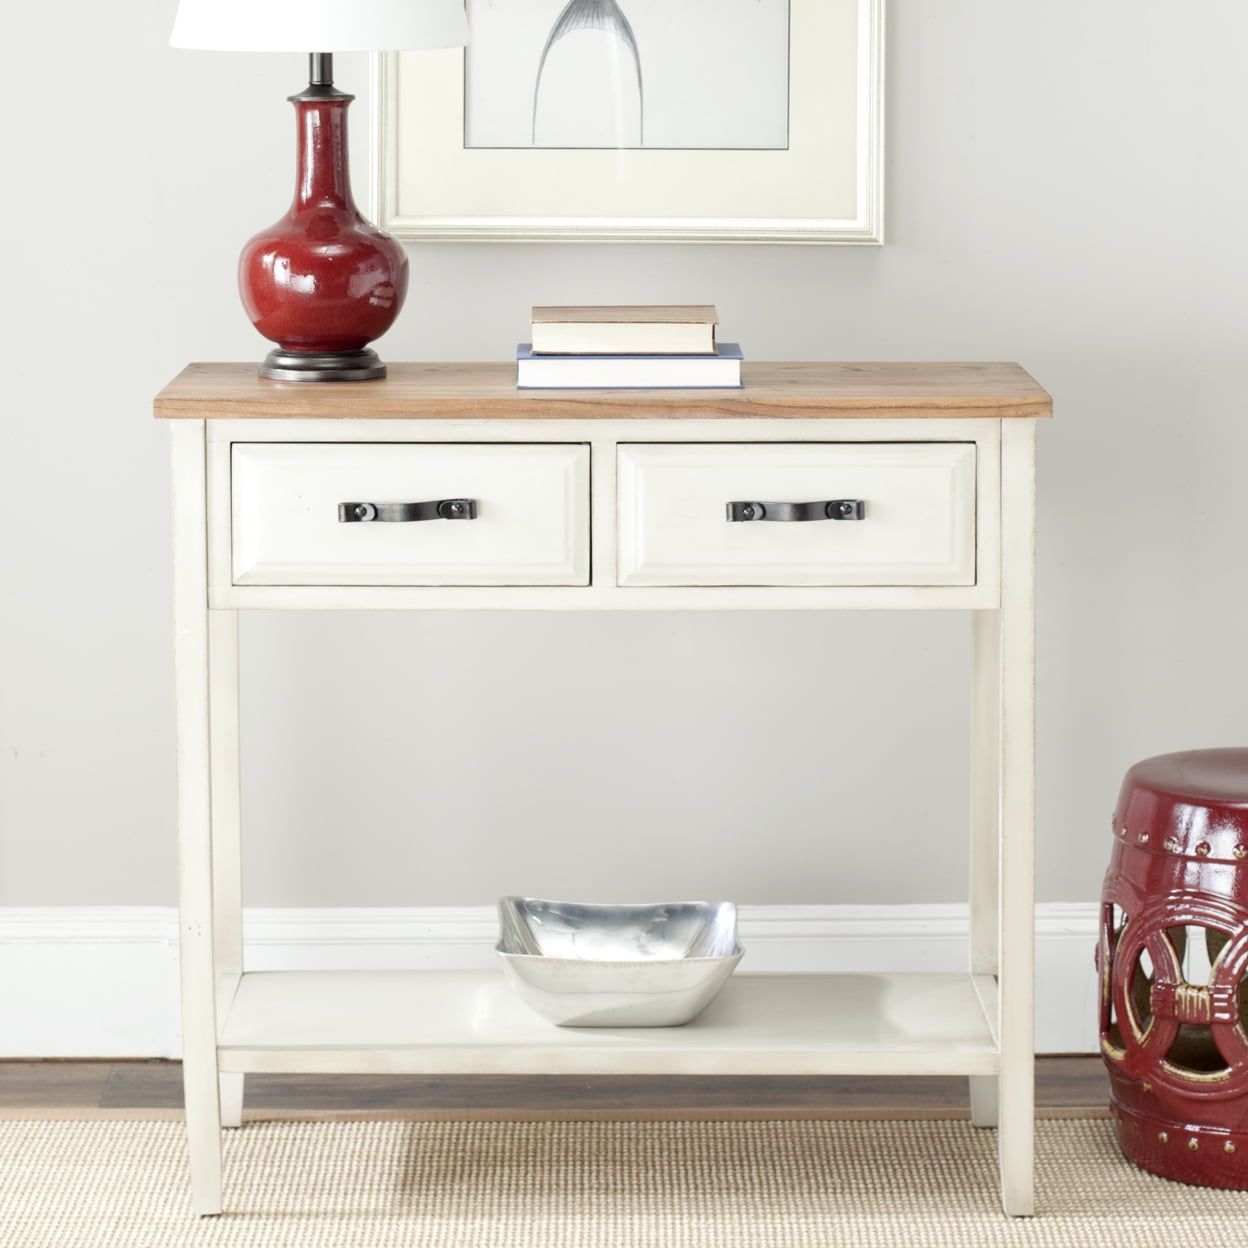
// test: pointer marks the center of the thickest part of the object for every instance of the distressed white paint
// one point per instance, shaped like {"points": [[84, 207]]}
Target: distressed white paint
{"points": [[196, 874], [472, 1022], [955, 462], [531, 525], [919, 525], [283, 498], [1016, 786], [100, 981]]}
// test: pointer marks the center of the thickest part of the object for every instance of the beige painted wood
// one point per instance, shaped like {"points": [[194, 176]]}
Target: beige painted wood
{"points": [[625, 427], [985, 802], [985, 811], [231, 1084], [919, 527], [531, 526], [985, 1101], [1016, 897], [195, 862], [487, 391], [983, 1088], [977, 1025], [464, 1022], [227, 871], [227, 988], [604, 541], [602, 593], [603, 598], [988, 995]]}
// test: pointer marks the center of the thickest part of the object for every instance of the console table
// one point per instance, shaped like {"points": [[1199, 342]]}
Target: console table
{"points": [[815, 487]]}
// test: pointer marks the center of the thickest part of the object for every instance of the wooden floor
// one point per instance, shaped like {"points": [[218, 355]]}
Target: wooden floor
{"points": [[1065, 1087]]}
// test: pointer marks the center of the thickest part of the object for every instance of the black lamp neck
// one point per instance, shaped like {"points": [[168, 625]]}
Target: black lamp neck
{"points": [[320, 80], [320, 69]]}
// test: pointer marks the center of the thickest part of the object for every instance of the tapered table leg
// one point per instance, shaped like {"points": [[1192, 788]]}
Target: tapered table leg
{"points": [[1016, 923], [985, 808], [195, 874], [227, 877]]}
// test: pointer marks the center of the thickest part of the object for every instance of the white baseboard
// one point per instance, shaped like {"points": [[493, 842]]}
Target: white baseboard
{"points": [[102, 981]]}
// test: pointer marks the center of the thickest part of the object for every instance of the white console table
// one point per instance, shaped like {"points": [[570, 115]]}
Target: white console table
{"points": [[919, 480]]}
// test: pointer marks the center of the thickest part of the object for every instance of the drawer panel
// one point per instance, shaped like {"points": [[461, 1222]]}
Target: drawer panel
{"points": [[918, 526], [531, 525]]}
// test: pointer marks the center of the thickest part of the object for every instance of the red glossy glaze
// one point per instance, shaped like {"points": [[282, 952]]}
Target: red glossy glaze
{"points": [[1177, 1051], [322, 278]]}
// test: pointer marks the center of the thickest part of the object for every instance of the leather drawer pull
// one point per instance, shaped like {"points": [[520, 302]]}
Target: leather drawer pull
{"points": [[834, 509], [406, 513]]}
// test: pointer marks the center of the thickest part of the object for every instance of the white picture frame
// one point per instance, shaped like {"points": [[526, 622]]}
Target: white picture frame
{"points": [[825, 186]]}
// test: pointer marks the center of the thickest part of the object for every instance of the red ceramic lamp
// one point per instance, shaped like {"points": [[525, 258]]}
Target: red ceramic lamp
{"points": [[322, 282]]}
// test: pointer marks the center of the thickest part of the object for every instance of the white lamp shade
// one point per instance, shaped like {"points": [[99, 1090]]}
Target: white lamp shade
{"points": [[319, 25]]}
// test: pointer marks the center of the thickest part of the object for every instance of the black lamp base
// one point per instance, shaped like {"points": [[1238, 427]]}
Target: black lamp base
{"points": [[362, 365]]}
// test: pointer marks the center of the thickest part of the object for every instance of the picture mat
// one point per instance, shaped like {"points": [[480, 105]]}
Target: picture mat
{"points": [[409, 146], [715, 73], [815, 180]]}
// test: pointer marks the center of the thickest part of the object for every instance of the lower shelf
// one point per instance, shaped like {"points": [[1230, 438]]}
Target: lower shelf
{"points": [[470, 1022]]}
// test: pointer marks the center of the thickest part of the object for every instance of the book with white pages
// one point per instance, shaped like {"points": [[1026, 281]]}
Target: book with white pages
{"points": [[721, 371], [686, 329]]}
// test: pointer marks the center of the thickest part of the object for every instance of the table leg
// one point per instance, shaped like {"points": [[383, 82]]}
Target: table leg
{"points": [[227, 876], [195, 873], [985, 824], [231, 1093], [1016, 924]]}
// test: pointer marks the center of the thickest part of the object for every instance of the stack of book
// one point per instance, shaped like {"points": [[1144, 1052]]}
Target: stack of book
{"points": [[627, 348]]}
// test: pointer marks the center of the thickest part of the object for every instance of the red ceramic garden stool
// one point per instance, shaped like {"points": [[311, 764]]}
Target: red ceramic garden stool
{"points": [[1172, 958]]}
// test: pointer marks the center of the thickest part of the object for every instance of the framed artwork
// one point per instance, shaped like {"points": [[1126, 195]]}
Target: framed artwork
{"points": [[639, 120]]}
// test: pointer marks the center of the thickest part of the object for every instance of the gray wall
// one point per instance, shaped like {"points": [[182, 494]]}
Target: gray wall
{"points": [[1067, 188]]}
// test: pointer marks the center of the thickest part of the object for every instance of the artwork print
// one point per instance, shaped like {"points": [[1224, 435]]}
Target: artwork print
{"points": [[646, 74]]}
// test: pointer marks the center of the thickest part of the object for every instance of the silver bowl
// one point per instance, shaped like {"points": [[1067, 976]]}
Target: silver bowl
{"points": [[584, 965]]}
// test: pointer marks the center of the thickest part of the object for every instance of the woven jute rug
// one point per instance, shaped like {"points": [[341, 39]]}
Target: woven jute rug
{"points": [[605, 1184]]}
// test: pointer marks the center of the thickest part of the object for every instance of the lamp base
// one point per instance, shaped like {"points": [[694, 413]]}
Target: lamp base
{"points": [[363, 365]]}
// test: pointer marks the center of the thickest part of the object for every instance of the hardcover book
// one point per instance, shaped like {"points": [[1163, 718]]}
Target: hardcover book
{"points": [[610, 372], [658, 330]]}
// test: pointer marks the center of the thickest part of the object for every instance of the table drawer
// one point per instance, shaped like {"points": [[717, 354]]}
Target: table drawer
{"points": [[917, 524], [528, 523]]}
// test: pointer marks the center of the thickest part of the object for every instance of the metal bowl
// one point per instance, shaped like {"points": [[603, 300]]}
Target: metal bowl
{"points": [[584, 965]]}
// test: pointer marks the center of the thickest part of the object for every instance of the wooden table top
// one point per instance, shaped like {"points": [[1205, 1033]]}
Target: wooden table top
{"points": [[488, 391]]}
